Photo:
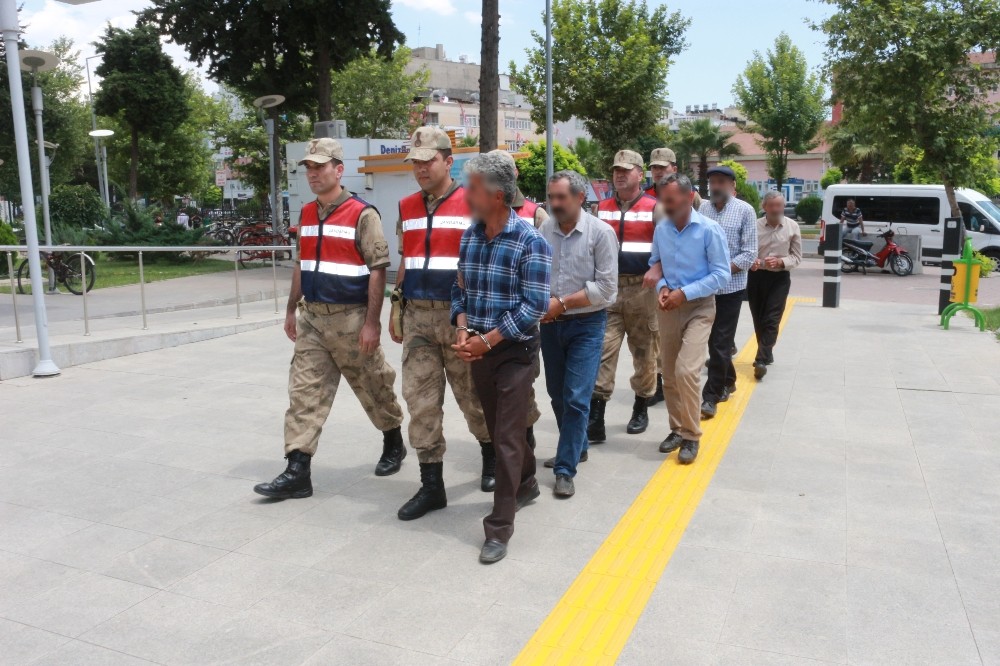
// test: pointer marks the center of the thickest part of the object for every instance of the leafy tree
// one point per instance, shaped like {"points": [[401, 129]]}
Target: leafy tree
{"points": [[596, 161], [609, 67], [832, 176], [140, 86], [375, 94], [531, 169], [912, 167], [179, 161], [744, 190], [852, 148], [739, 170], [489, 75], [269, 47], [701, 139], [906, 70], [784, 101], [66, 122]]}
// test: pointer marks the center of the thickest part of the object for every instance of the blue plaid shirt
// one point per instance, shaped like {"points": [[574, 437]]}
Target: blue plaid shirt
{"points": [[505, 280], [739, 221]]}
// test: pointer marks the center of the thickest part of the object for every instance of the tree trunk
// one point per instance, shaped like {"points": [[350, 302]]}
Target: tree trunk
{"points": [[489, 76], [324, 70], [949, 191], [703, 175], [133, 167]]}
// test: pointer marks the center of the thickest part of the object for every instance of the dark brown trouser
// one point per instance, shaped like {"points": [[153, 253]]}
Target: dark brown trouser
{"points": [[503, 381]]}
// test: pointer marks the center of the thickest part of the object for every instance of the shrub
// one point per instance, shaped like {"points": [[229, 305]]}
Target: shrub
{"points": [[7, 235], [77, 206], [135, 226], [989, 263], [832, 176], [809, 209], [748, 193], [739, 171]]}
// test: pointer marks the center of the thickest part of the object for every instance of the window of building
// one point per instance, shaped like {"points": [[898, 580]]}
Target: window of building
{"points": [[471, 121], [517, 123], [431, 118], [515, 145]]}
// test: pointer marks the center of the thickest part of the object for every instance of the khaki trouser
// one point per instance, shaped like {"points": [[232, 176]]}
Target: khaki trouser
{"points": [[683, 340], [326, 347], [633, 316], [428, 360]]}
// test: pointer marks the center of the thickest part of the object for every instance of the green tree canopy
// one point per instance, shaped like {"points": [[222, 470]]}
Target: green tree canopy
{"points": [[66, 122], [831, 176], [531, 169], [912, 167], [701, 139], [141, 87], [593, 157], [852, 148], [905, 69], [784, 101], [375, 94], [609, 67]]}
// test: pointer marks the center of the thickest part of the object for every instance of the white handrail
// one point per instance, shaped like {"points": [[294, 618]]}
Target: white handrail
{"points": [[148, 248]]}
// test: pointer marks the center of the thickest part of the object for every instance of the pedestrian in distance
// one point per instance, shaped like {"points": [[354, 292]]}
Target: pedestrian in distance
{"points": [[779, 250], [501, 294], [431, 223], [853, 220], [738, 220], [692, 252], [584, 284], [333, 317], [632, 317]]}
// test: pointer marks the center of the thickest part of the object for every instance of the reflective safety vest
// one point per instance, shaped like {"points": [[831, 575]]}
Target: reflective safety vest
{"points": [[651, 191], [333, 270], [527, 211], [430, 244], [635, 232]]}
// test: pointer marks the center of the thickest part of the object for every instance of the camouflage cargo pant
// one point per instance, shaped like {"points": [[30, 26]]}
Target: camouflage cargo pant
{"points": [[428, 361], [633, 316], [326, 348]]}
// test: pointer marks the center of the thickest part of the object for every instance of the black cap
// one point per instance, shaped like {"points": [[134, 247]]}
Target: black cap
{"points": [[722, 170]]}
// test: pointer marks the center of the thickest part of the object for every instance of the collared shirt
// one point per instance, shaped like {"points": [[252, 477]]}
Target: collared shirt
{"points": [[503, 283], [695, 259], [368, 236], [739, 222], [585, 258], [852, 218], [783, 240], [432, 202]]}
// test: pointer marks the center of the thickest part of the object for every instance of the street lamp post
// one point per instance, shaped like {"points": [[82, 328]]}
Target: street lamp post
{"points": [[269, 102], [548, 91], [101, 175], [10, 27], [35, 62], [102, 162]]}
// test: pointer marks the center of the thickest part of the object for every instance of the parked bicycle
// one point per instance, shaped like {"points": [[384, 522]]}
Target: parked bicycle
{"points": [[260, 234], [68, 270]]}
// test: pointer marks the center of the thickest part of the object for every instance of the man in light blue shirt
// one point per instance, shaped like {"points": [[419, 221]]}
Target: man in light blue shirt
{"points": [[695, 266]]}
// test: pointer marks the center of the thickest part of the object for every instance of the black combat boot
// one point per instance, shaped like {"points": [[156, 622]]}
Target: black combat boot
{"points": [[431, 495], [657, 396], [489, 476], [293, 483], [640, 417], [595, 426], [393, 452]]}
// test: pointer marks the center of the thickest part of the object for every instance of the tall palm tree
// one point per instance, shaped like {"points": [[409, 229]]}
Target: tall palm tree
{"points": [[701, 139], [854, 152]]}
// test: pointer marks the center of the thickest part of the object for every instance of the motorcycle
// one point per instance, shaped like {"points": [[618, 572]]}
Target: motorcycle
{"points": [[857, 254]]}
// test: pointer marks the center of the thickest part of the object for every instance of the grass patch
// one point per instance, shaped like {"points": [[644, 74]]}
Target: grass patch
{"points": [[118, 272], [992, 319]]}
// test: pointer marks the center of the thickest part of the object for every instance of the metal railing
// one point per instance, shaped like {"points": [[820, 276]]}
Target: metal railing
{"points": [[139, 250]]}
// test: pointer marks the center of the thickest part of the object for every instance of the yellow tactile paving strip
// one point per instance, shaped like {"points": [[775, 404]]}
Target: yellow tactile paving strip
{"points": [[594, 619]]}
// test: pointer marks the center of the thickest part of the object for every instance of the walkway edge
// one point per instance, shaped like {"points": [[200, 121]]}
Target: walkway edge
{"points": [[595, 617]]}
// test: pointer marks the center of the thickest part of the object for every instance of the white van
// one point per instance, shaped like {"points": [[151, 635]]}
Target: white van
{"points": [[918, 210]]}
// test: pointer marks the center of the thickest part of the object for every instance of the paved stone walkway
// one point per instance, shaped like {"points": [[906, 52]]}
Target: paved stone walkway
{"points": [[852, 520]]}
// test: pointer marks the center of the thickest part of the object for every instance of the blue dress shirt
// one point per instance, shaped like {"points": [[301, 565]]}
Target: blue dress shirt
{"points": [[694, 259]]}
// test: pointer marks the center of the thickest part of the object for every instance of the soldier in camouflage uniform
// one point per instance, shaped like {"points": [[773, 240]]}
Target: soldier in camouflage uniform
{"points": [[431, 223], [337, 291]]}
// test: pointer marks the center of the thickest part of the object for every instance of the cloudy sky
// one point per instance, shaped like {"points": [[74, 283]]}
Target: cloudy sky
{"points": [[722, 36]]}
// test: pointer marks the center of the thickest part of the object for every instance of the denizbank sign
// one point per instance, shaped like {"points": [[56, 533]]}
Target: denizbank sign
{"points": [[391, 150]]}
